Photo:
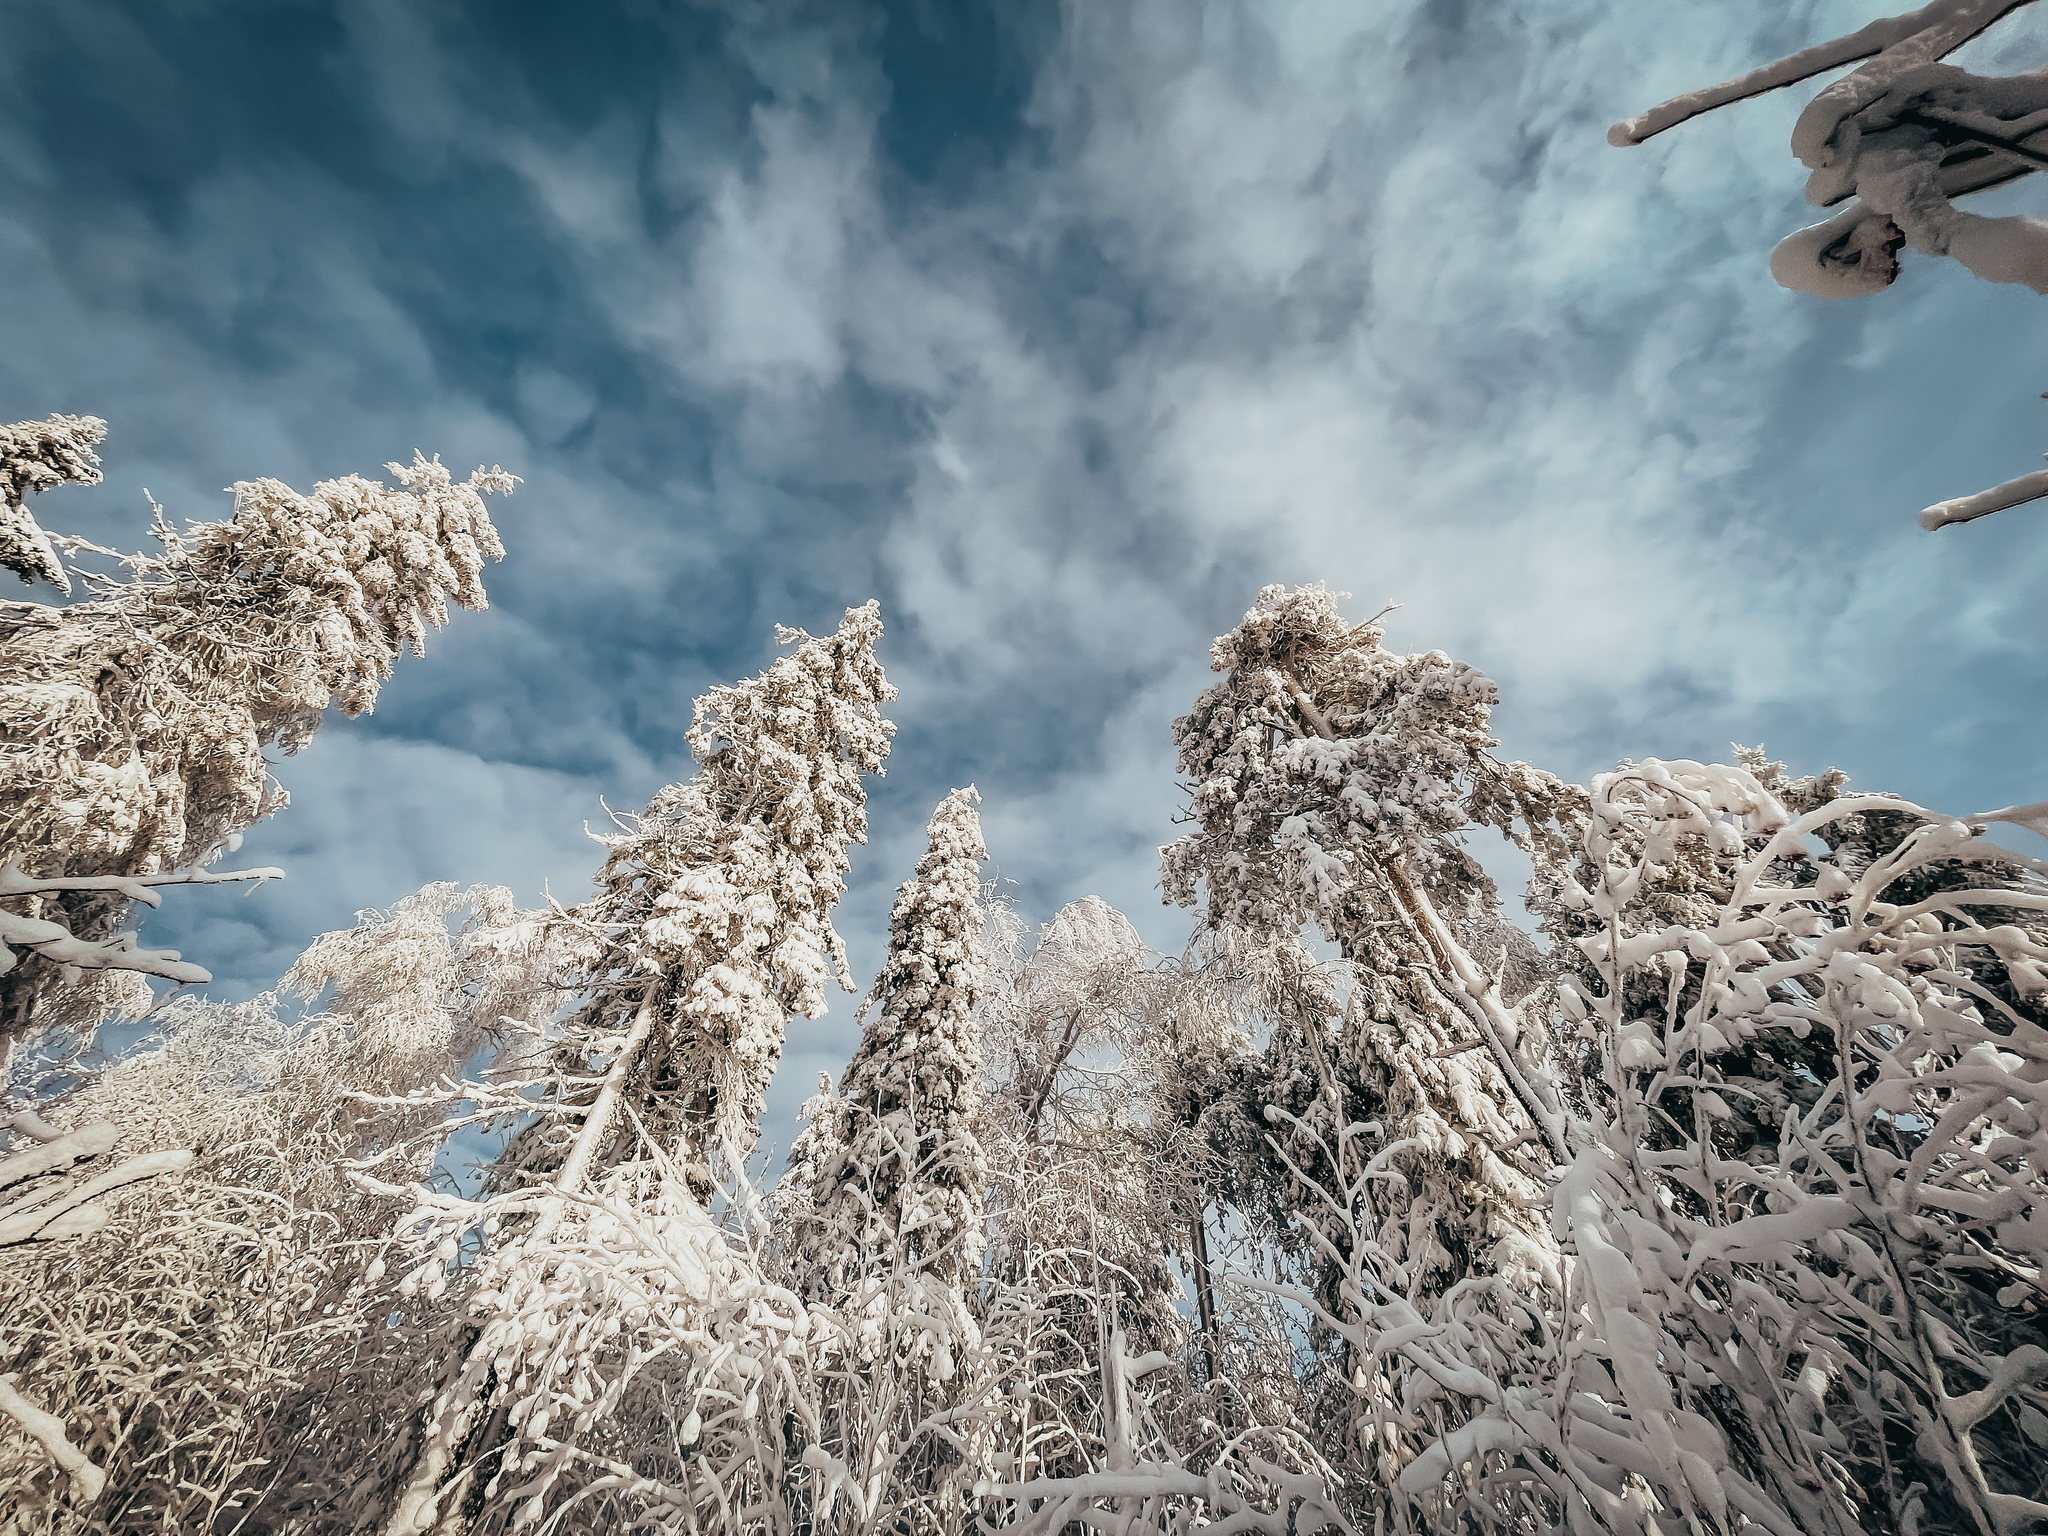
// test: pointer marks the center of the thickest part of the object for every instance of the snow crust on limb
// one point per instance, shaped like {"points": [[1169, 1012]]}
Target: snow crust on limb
{"points": [[1908, 135], [1963, 509], [132, 724], [1944, 24], [35, 455], [1901, 138], [711, 926], [48, 1429]]}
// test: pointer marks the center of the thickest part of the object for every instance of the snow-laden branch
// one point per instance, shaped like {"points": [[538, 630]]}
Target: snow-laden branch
{"points": [[54, 942], [47, 1430], [142, 888], [1899, 140], [1963, 509], [1953, 22]]}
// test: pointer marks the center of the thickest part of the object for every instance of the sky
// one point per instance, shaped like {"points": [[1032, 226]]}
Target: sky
{"points": [[1061, 330]]}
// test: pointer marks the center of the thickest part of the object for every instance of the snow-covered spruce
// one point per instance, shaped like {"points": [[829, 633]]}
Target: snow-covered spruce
{"points": [[710, 928], [898, 1160], [132, 725], [882, 1211]]}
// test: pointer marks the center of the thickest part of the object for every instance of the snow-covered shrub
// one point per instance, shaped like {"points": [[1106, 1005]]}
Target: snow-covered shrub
{"points": [[1839, 1327], [197, 1337]]}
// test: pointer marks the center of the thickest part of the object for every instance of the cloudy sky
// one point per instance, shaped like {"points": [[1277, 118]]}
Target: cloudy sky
{"points": [[1061, 330]]}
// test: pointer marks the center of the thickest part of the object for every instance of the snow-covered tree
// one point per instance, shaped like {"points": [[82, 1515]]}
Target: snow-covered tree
{"points": [[1333, 781], [892, 1156], [710, 928], [132, 725], [1109, 1072], [35, 455], [1899, 139], [1082, 1208]]}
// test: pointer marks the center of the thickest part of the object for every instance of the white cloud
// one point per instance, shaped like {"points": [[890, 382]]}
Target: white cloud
{"points": [[1267, 292]]}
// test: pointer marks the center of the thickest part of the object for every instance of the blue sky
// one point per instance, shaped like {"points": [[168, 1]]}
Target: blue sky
{"points": [[1058, 329]]}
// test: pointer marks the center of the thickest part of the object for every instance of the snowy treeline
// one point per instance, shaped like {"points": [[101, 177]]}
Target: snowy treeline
{"points": [[1715, 1206]]}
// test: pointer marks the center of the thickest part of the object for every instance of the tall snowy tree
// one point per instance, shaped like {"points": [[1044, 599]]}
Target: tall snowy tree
{"points": [[886, 1193], [132, 725], [1333, 782], [711, 927]]}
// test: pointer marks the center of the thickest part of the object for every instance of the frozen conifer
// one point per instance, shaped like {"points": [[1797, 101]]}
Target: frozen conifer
{"points": [[898, 1161]]}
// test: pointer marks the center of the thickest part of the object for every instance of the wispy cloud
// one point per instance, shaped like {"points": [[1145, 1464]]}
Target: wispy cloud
{"points": [[1061, 333]]}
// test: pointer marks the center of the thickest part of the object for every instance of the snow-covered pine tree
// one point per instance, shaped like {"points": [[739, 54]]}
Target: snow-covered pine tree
{"points": [[888, 1187], [904, 1179], [711, 927], [1333, 782], [132, 725]]}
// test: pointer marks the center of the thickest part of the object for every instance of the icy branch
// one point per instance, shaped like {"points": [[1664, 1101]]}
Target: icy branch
{"points": [[1963, 509], [140, 888]]}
